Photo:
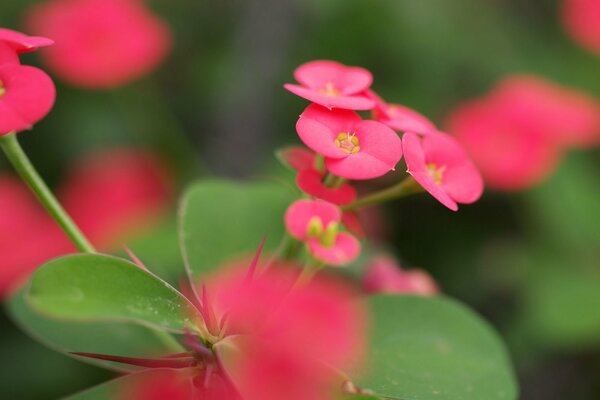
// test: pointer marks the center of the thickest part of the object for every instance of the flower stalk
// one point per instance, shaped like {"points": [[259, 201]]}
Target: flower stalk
{"points": [[17, 157], [406, 187]]}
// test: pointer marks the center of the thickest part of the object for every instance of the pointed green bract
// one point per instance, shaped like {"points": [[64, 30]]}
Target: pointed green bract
{"points": [[221, 221], [434, 349], [94, 287]]}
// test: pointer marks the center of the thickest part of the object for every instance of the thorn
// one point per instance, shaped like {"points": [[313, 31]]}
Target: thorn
{"points": [[134, 258], [254, 263]]}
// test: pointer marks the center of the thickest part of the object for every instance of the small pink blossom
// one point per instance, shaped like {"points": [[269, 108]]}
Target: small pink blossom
{"points": [[297, 157], [101, 44], [317, 223], [353, 148], [27, 94], [439, 164], [384, 275], [581, 20], [399, 117], [333, 85]]}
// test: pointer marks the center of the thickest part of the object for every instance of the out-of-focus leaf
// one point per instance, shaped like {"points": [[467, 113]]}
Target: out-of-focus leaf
{"points": [[94, 287], [225, 220], [107, 338], [435, 349]]}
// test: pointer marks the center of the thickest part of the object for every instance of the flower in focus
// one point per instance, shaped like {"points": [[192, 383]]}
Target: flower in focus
{"points": [[333, 85], [101, 44], [353, 148], [317, 223], [517, 133], [581, 20], [109, 194], [441, 166], [399, 117], [384, 275], [26, 93]]}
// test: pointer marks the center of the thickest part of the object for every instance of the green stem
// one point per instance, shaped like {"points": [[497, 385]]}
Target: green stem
{"points": [[405, 188], [26, 170]]}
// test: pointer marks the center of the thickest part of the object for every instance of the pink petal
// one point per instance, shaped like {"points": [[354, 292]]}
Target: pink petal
{"points": [[443, 149], [8, 55], [345, 250], [22, 43], [348, 80], [299, 214], [346, 102], [581, 20], [318, 128], [384, 275], [380, 151], [310, 182], [404, 119], [463, 183], [297, 157], [29, 96]]}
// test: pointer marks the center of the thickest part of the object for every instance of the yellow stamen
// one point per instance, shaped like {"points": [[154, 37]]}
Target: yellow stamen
{"points": [[315, 227], [328, 237], [348, 142], [329, 90], [435, 172]]}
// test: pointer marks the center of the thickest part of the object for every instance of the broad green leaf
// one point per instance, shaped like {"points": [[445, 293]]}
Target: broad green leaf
{"points": [[224, 220], [94, 287], [124, 339], [435, 349]]}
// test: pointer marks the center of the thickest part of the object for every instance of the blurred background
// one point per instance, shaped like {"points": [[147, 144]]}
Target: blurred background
{"points": [[526, 256]]}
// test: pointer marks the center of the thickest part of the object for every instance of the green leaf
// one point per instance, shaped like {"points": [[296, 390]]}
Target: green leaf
{"points": [[224, 220], [94, 287], [123, 339], [435, 349]]}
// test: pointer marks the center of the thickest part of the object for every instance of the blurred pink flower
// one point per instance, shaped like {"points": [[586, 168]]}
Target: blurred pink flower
{"points": [[399, 117], [110, 194], [101, 44], [317, 223], [353, 148], [333, 85], [517, 133], [297, 157], [310, 181], [439, 164], [581, 20], [384, 275], [285, 340]]}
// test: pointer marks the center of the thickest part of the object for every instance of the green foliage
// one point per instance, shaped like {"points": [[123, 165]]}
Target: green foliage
{"points": [[223, 220], [435, 349], [93, 287]]}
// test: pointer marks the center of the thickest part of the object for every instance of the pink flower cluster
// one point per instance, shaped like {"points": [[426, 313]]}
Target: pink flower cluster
{"points": [[518, 132], [100, 44], [348, 147], [110, 194], [26, 93]]}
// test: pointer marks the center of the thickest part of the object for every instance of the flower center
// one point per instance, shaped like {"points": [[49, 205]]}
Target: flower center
{"points": [[329, 90], [436, 173], [2, 89], [347, 142]]}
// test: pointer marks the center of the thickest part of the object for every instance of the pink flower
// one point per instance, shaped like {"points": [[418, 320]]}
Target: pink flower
{"points": [[285, 340], [384, 275], [353, 148], [111, 195], [333, 85], [297, 157], [581, 20], [101, 44], [27, 94], [316, 223], [517, 133], [399, 117], [439, 164], [22, 43]]}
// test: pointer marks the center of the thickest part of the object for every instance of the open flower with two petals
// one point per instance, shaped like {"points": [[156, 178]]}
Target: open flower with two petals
{"points": [[333, 85], [353, 148], [317, 223], [442, 167], [26, 93]]}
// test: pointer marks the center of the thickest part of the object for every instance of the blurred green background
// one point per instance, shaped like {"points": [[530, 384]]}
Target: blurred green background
{"points": [[529, 262]]}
